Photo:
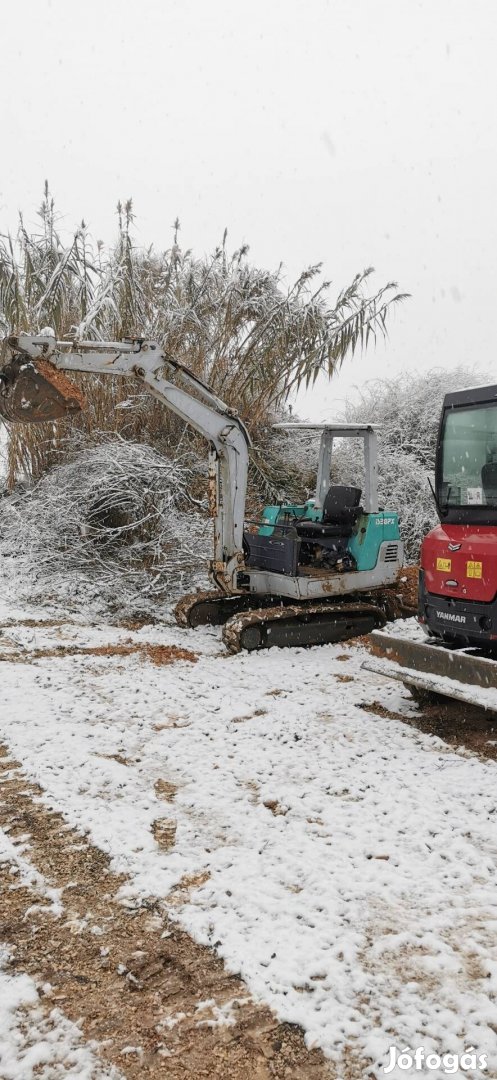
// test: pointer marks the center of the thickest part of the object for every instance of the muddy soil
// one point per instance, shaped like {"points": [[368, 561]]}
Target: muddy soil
{"points": [[408, 586], [457, 724], [158, 654]]}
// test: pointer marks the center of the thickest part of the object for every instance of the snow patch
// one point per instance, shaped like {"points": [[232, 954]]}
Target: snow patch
{"points": [[343, 863]]}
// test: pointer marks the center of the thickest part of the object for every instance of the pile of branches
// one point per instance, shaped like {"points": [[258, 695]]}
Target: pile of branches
{"points": [[112, 515]]}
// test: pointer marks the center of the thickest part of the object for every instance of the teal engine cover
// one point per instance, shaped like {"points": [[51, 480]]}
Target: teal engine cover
{"points": [[371, 531]]}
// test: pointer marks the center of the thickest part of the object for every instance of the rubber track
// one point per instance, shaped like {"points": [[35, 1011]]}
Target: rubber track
{"points": [[389, 603], [234, 627], [190, 600], [228, 605]]}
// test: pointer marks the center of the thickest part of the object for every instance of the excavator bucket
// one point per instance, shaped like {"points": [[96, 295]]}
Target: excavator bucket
{"points": [[461, 674], [34, 391]]}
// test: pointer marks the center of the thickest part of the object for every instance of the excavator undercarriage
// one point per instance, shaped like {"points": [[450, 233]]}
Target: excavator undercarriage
{"points": [[253, 622]]}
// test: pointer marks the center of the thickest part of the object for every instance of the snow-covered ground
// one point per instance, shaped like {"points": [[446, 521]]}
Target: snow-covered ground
{"points": [[34, 1045], [345, 863]]}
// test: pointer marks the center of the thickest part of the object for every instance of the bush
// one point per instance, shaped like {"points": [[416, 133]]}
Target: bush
{"points": [[407, 411]]}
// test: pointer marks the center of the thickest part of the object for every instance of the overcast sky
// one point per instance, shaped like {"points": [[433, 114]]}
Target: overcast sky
{"points": [[352, 132]]}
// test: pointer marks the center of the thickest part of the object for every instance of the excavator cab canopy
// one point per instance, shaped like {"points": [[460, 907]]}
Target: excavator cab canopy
{"points": [[367, 433]]}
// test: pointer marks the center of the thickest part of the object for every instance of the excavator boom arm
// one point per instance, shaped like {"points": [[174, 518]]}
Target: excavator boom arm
{"points": [[31, 363]]}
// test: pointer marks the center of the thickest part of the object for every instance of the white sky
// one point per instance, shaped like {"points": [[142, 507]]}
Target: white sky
{"points": [[352, 132]]}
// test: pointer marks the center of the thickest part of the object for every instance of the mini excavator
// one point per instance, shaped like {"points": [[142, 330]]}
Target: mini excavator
{"points": [[304, 574], [456, 656]]}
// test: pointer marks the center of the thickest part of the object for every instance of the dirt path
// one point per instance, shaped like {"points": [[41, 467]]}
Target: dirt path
{"points": [[156, 1003]]}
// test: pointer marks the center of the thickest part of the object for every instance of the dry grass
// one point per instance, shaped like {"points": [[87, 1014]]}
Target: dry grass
{"points": [[237, 326]]}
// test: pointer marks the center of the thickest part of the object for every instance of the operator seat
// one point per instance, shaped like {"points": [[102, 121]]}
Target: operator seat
{"points": [[341, 508]]}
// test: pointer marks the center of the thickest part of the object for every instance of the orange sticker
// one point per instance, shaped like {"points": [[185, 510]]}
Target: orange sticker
{"points": [[445, 565], [474, 569]]}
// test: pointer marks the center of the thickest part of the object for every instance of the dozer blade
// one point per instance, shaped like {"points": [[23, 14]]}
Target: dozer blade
{"points": [[34, 391], [461, 674]]}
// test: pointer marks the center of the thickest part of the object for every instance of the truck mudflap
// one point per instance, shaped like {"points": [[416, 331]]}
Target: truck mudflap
{"points": [[454, 673]]}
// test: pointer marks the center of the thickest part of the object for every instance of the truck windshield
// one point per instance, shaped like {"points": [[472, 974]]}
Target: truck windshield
{"points": [[469, 457]]}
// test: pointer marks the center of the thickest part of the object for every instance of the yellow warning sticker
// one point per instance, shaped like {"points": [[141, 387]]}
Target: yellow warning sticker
{"points": [[473, 569], [445, 565]]}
